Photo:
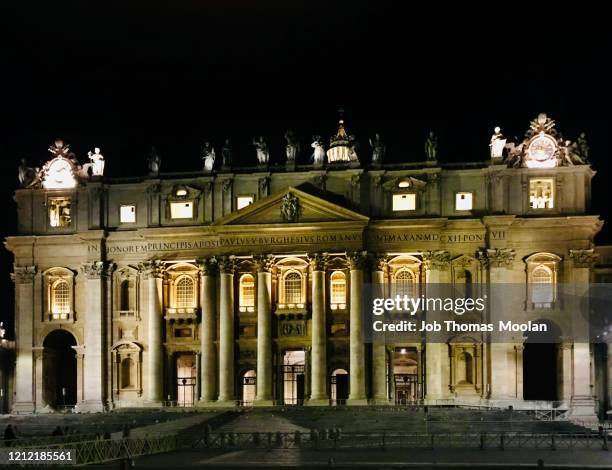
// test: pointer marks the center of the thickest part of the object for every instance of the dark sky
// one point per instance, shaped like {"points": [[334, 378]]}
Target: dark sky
{"points": [[176, 74]]}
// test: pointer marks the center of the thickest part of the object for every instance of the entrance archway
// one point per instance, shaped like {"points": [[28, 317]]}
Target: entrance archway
{"points": [[405, 375], [339, 387], [59, 369], [249, 387], [185, 379], [293, 377], [540, 365]]}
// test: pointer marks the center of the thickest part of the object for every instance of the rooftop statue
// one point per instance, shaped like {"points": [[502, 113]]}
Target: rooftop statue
{"points": [[97, 162], [353, 146], [431, 147], [226, 154], [154, 161], [27, 174], [498, 143], [208, 157], [318, 155], [263, 153], [582, 147], [293, 146], [378, 148]]}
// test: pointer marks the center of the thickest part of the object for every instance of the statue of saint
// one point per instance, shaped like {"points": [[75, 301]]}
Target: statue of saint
{"points": [[263, 153], [378, 148], [27, 175], [318, 156], [154, 161], [97, 162], [208, 157], [497, 144], [293, 146], [226, 154], [431, 147], [353, 146], [2, 330], [583, 147]]}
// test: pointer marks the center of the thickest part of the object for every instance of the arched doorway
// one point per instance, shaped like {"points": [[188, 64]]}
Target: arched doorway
{"points": [[249, 387], [186, 373], [541, 365], [59, 369], [339, 387]]}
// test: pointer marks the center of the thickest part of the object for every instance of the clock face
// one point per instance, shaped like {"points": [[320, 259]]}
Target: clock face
{"points": [[542, 148]]}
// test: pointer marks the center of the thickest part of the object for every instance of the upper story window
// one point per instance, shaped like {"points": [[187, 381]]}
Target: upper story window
{"points": [[185, 292], [181, 210], [59, 293], [60, 299], [292, 290], [542, 280], [463, 201], [404, 202], [247, 293], [338, 290], [541, 193], [243, 201], [127, 214], [404, 283], [59, 212]]}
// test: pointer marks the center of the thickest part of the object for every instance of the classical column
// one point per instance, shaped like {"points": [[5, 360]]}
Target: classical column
{"points": [[23, 277], [208, 330], [264, 331], [379, 352], [357, 395], [582, 402], [226, 331], [436, 264], [153, 273], [502, 356], [94, 336], [318, 354]]}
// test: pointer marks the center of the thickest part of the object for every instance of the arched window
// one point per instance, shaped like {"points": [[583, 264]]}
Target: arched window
{"points": [[127, 367], [404, 283], [292, 289], [185, 292], [247, 293], [542, 289], [60, 299], [124, 295], [464, 369], [338, 290]]}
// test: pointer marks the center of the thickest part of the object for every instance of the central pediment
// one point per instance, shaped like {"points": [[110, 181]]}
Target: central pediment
{"points": [[291, 206]]}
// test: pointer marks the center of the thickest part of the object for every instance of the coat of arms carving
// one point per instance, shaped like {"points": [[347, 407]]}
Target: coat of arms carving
{"points": [[290, 208]]}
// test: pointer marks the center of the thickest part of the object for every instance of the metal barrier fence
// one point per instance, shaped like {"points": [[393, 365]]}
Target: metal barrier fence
{"points": [[21, 442], [333, 439]]}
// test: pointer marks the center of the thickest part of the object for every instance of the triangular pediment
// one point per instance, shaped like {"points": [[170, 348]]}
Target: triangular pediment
{"points": [[289, 206]]}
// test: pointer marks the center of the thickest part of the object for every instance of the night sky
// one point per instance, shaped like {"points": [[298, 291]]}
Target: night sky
{"points": [[177, 74]]}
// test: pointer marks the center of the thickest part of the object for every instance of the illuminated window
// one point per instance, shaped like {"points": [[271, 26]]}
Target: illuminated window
{"points": [[60, 299], [541, 193], [292, 289], [404, 202], [338, 290], [404, 283], [127, 214], [180, 192], [403, 184], [59, 212], [542, 287], [243, 201], [247, 293], [185, 292], [181, 210], [463, 201]]}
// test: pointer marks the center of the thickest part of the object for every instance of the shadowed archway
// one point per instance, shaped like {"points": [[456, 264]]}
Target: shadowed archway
{"points": [[59, 369]]}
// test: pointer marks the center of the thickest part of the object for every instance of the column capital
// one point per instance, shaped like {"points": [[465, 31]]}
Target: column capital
{"points": [[263, 263], [379, 262], [436, 259], [95, 269], [151, 269], [23, 274], [357, 260], [208, 266], [583, 258], [227, 264], [317, 261], [497, 257]]}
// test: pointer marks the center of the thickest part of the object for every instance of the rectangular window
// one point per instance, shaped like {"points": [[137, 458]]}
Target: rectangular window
{"points": [[59, 212], [404, 202], [181, 210], [541, 193], [463, 201], [243, 201], [127, 214]]}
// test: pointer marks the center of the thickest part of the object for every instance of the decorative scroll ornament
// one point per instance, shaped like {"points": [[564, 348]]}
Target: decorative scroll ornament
{"points": [[497, 257], [227, 265], [290, 208], [94, 269], [208, 266], [23, 274], [318, 261], [436, 259], [263, 263], [357, 260], [583, 258], [151, 269]]}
